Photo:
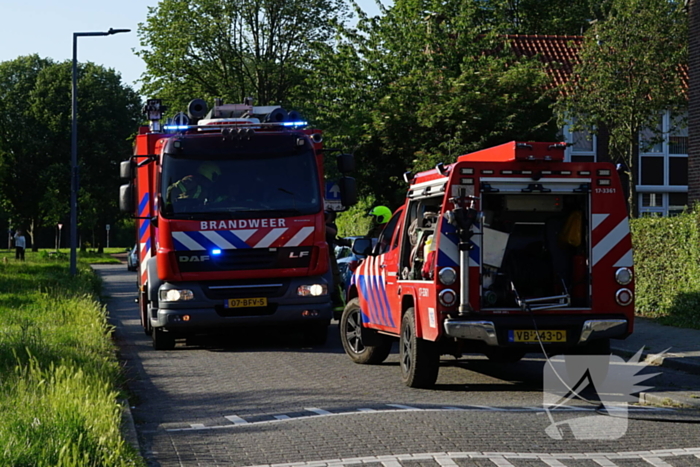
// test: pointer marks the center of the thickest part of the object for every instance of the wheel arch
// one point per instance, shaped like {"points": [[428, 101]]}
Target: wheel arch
{"points": [[408, 304]]}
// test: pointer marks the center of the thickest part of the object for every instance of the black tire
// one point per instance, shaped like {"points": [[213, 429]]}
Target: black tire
{"points": [[420, 359], [163, 340], [499, 355], [316, 334], [351, 337], [146, 319]]}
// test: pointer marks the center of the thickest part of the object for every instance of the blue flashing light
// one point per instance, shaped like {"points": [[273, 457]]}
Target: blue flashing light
{"points": [[175, 127], [300, 123], [216, 251]]}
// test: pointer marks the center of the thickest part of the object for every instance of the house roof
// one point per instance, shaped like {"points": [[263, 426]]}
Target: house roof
{"points": [[560, 54]]}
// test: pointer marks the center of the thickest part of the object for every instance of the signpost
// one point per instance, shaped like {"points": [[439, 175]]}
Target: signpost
{"points": [[107, 227], [332, 197]]}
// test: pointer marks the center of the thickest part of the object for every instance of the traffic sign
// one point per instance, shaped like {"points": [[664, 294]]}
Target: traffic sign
{"points": [[332, 191]]}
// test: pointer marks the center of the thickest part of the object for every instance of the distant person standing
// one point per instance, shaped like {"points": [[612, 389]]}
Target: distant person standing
{"points": [[20, 245]]}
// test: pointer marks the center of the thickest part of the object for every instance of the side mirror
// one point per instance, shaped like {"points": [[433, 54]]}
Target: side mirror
{"points": [[126, 170], [348, 191], [362, 246], [346, 163], [126, 198]]}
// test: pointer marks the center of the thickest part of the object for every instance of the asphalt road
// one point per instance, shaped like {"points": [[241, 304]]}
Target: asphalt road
{"points": [[263, 398]]}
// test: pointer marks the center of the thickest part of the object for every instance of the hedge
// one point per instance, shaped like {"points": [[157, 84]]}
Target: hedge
{"points": [[667, 268]]}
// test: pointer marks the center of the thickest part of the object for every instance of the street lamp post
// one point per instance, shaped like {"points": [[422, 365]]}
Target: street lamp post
{"points": [[74, 147]]}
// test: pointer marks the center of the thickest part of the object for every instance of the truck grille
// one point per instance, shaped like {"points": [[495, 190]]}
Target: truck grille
{"points": [[244, 259]]}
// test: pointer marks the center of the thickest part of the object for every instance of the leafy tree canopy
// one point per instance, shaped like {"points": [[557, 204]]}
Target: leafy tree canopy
{"points": [[421, 84], [232, 49], [630, 71], [35, 150]]}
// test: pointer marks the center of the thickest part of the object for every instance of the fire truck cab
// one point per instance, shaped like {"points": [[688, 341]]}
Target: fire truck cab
{"points": [[507, 251], [229, 204]]}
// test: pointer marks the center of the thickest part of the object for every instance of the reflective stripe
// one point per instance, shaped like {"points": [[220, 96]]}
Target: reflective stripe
{"points": [[610, 241]]}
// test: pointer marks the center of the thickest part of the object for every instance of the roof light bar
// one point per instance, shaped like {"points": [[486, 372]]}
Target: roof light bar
{"points": [[176, 127]]}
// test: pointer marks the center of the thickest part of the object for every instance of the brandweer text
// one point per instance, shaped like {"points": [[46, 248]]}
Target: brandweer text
{"points": [[242, 224]]}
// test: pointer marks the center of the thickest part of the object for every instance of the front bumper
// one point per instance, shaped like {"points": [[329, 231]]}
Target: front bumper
{"points": [[580, 330], [208, 312]]}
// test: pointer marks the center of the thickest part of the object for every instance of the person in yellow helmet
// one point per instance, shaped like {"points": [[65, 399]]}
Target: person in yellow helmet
{"points": [[195, 186], [381, 215]]}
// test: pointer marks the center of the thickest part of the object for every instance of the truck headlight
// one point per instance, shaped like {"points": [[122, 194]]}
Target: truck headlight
{"points": [[623, 276], [312, 290], [176, 295]]}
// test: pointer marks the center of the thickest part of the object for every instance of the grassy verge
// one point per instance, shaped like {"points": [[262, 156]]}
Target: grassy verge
{"points": [[59, 376]]}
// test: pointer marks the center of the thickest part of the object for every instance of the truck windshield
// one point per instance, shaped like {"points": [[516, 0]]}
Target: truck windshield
{"points": [[240, 186]]}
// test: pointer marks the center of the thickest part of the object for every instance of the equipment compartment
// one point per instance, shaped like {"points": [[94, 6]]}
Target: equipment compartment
{"points": [[546, 248]]}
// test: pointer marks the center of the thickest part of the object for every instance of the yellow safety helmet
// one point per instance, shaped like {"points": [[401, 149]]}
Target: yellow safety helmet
{"points": [[381, 213], [209, 170]]}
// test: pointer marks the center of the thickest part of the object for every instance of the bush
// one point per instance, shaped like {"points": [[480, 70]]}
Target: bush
{"points": [[667, 268], [355, 220]]}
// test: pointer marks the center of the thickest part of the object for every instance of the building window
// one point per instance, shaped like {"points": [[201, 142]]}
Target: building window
{"points": [[663, 167], [582, 145], [652, 200], [678, 136], [677, 203], [651, 139], [678, 170], [652, 168]]}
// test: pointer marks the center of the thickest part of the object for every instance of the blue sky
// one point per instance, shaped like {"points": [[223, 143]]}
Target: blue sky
{"points": [[46, 27]]}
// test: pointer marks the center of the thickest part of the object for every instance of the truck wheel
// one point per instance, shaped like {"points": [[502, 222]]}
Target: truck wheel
{"points": [[316, 334], [420, 359], [351, 337], [505, 355], [145, 309], [162, 340]]}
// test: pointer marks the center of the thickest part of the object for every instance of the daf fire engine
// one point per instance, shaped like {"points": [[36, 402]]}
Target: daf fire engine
{"points": [[230, 221], [507, 251]]}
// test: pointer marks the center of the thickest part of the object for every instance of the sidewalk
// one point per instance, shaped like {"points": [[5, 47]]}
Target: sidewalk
{"points": [[682, 348]]}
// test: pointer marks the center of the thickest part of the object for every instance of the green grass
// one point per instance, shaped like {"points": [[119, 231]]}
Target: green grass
{"points": [[59, 376]]}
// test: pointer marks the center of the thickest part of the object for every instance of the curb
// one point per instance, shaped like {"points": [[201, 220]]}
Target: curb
{"points": [[129, 427], [687, 399], [673, 362], [683, 399]]}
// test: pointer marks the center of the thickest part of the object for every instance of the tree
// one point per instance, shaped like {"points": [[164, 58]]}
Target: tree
{"points": [[27, 163], [630, 71], [36, 133], [549, 17], [421, 84], [232, 49]]}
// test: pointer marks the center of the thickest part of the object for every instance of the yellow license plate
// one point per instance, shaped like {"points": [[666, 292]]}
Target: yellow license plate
{"points": [[245, 302], [530, 335]]}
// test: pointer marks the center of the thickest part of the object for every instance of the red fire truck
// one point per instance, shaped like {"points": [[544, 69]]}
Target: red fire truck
{"points": [[507, 251], [230, 221]]}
